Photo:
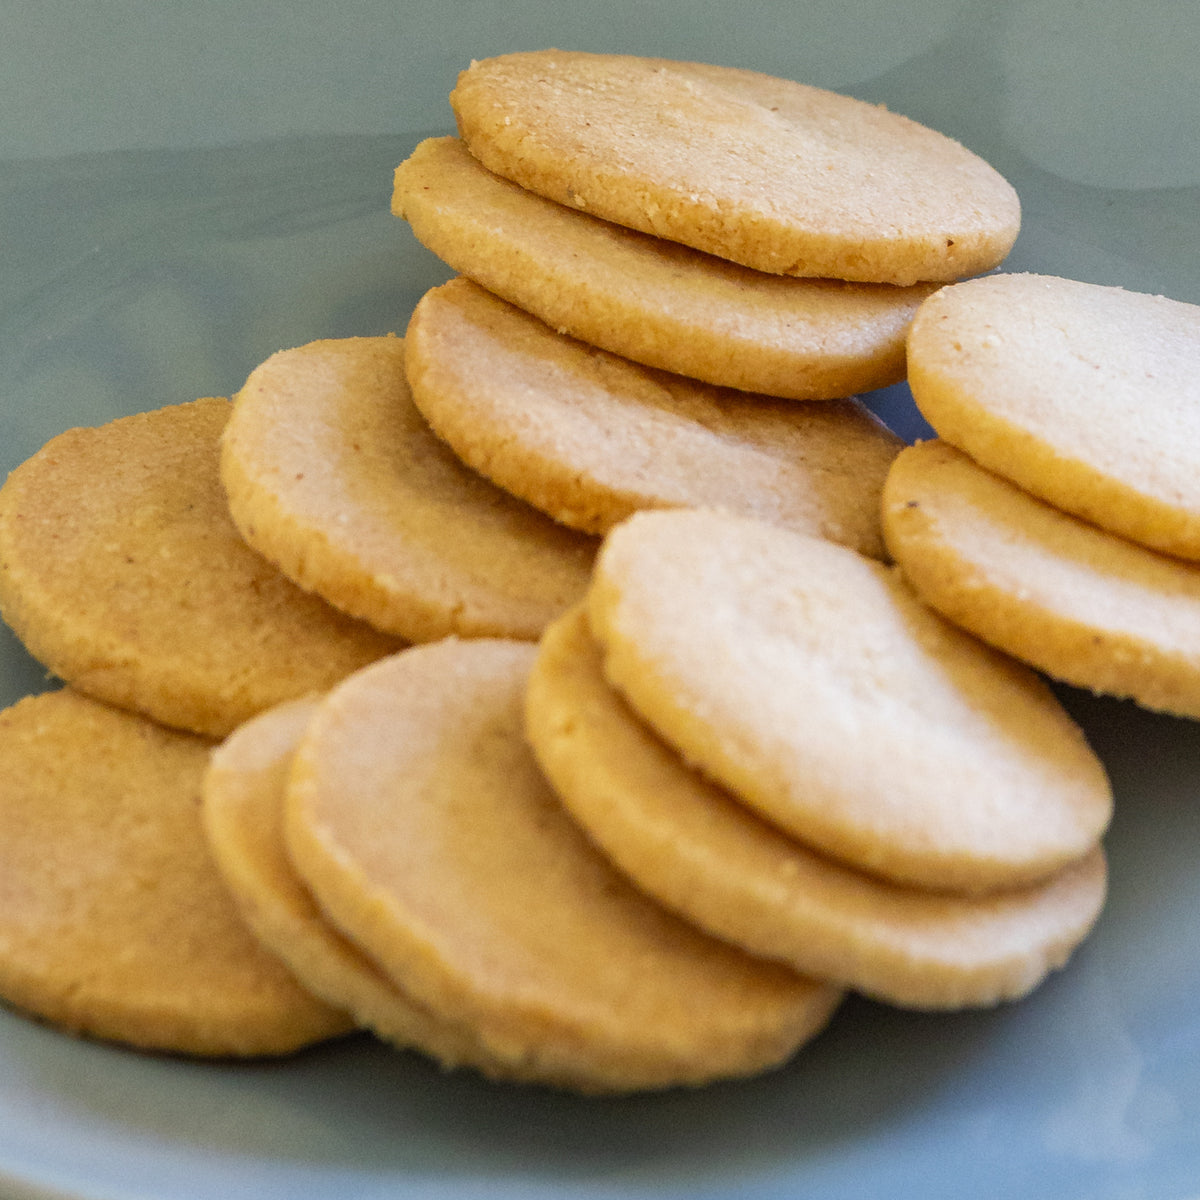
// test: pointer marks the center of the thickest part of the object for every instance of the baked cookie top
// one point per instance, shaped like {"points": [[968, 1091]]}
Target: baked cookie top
{"points": [[1087, 396], [772, 174], [654, 301], [242, 812], [121, 571], [115, 922], [417, 815], [333, 474], [1075, 601], [692, 846], [590, 438], [816, 686]]}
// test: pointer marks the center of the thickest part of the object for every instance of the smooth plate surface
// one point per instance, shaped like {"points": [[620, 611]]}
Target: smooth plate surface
{"points": [[185, 188]]}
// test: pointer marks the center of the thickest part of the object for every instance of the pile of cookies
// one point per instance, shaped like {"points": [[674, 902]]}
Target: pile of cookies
{"points": [[1057, 514], [531, 690]]}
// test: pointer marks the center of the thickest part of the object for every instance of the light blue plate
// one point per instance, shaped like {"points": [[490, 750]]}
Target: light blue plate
{"points": [[187, 187]]}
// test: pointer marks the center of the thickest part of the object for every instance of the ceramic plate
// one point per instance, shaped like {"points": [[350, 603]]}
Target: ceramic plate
{"points": [[185, 188]]}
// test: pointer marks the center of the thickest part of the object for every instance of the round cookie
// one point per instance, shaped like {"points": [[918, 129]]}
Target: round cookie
{"points": [[334, 475], [772, 174], [121, 571], [815, 686], [1086, 396], [244, 791], [590, 438], [1083, 605], [653, 301], [690, 845], [114, 922], [418, 817]]}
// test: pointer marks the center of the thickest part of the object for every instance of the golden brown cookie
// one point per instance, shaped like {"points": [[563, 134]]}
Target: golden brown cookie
{"points": [[769, 173], [650, 300], [121, 571], [688, 843], [334, 475], [418, 817], [1086, 396], [816, 686], [114, 922], [590, 438], [244, 790], [1081, 604]]}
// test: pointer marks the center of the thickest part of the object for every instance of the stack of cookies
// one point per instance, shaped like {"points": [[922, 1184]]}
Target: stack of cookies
{"points": [[1057, 514], [632, 812], [725, 225], [397, 846], [775, 737], [654, 257]]}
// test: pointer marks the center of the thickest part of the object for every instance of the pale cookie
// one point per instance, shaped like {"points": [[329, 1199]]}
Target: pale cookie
{"points": [[121, 571], [772, 174], [333, 474], [1083, 605], [693, 847], [114, 922], [814, 685], [1086, 396], [590, 438], [242, 812], [418, 817], [649, 300]]}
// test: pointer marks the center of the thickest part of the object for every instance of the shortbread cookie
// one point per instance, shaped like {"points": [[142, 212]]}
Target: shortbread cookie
{"points": [[1086, 396], [244, 791], [772, 174], [115, 922], [813, 684], [418, 817], [1081, 604], [649, 300], [590, 438], [121, 571], [334, 475], [689, 844]]}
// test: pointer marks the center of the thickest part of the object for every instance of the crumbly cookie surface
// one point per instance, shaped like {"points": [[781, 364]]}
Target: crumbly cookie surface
{"points": [[816, 686], [1087, 396], [333, 474], [773, 174], [650, 300], [590, 438], [695, 848], [115, 922], [121, 571], [1083, 605], [419, 818]]}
